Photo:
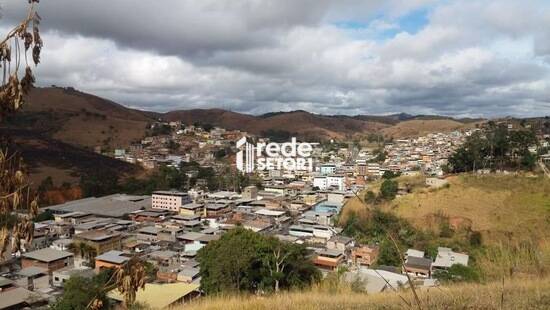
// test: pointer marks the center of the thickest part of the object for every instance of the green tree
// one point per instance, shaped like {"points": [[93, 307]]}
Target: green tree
{"points": [[388, 255], [78, 292], [388, 189], [44, 216], [251, 262], [457, 273]]}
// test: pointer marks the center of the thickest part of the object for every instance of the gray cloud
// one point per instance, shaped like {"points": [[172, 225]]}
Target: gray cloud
{"points": [[480, 58]]}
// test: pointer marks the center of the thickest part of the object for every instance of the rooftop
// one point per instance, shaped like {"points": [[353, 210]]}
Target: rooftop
{"points": [[159, 296], [115, 257], [47, 255], [32, 271], [115, 205]]}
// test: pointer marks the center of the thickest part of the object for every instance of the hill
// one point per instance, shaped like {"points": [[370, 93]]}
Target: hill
{"points": [[85, 120], [80, 119], [75, 122], [423, 126], [316, 126], [299, 123], [511, 212], [517, 294], [45, 156]]}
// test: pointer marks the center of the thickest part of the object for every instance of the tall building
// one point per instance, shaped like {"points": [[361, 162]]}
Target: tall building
{"points": [[169, 200]]}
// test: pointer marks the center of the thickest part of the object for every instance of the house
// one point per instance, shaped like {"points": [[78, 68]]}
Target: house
{"points": [[250, 192], [47, 258], [217, 209], [329, 181], [327, 169], [100, 240], [161, 296], [257, 225], [188, 275], [169, 233], [418, 266], [195, 237], [111, 259], [74, 218], [148, 234], [446, 258], [153, 216], [341, 243], [324, 232], [274, 215], [192, 209], [33, 278], [365, 255], [169, 200], [164, 257], [300, 231], [59, 277], [414, 253], [279, 190], [61, 244], [329, 259], [13, 297]]}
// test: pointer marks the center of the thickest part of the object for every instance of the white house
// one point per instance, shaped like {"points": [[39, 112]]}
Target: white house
{"points": [[446, 258], [326, 182]]}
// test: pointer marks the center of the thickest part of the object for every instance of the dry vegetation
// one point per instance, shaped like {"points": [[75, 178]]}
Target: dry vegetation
{"points": [[513, 207], [501, 207], [421, 127], [517, 294], [511, 212]]}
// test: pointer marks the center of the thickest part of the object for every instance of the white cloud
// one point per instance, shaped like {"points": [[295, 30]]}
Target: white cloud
{"points": [[471, 58]]}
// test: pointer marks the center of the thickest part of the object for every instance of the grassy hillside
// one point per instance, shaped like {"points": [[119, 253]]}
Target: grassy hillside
{"points": [[417, 127], [515, 207], [512, 213], [517, 294]]}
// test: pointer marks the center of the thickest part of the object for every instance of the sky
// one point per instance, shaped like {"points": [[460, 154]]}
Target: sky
{"points": [[466, 58]]}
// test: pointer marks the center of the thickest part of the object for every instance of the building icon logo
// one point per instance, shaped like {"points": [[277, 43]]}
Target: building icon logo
{"points": [[288, 156], [245, 155]]}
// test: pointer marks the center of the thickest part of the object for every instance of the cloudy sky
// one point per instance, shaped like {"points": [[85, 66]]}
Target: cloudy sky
{"points": [[459, 58]]}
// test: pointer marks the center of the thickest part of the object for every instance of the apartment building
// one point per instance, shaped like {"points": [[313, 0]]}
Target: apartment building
{"points": [[169, 200]]}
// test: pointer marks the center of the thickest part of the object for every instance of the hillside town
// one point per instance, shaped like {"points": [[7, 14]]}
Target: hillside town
{"points": [[169, 227]]}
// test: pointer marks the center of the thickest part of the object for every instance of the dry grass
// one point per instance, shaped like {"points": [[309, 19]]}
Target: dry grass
{"points": [[502, 207], [422, 127], [517, 294], [511, 212]]}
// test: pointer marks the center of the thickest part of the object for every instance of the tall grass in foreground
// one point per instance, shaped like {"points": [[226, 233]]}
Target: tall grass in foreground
{"points": [[507, 260], [514, 294]]}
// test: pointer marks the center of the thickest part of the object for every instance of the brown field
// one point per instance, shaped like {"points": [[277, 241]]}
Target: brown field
{"points": [[517, 294], [513, 206], [419, 127]]}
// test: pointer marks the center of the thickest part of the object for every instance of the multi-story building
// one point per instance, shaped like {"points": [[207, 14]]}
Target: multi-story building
{"points": [[169, 200], [330, 181]]}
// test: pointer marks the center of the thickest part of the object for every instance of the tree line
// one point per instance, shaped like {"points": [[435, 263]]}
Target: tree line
{"points": [[496, 147]]}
